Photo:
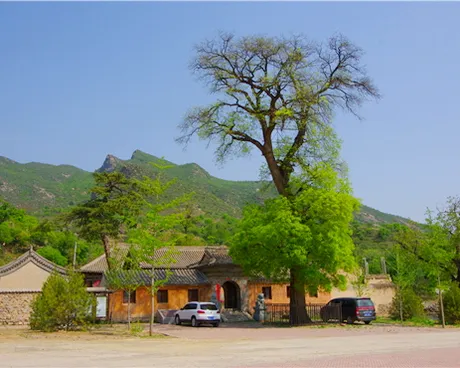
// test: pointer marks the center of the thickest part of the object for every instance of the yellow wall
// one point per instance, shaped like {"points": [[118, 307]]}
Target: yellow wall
{"points": [[177, 298], [279, 294], [379, 288]]}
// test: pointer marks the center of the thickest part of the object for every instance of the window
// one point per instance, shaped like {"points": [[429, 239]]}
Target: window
{"points": [[288, 291], [315, 294], [208, 306], [193, 295], [191, 306], [131, 296], [162, 296], [364, 303], [267, 291]]}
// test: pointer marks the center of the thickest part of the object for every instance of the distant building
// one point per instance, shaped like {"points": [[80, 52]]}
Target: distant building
{"points": [[200, 273]]}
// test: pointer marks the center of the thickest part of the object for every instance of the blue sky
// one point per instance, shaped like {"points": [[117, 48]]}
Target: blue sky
{"points": [[81, 80]]}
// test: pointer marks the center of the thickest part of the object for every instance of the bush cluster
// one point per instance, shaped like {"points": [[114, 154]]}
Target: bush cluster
{"points": [[64, 304], [451, 303], [412, 305]]}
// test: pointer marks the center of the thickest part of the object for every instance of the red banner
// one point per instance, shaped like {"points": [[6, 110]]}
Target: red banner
{"points": [[219, 299]]}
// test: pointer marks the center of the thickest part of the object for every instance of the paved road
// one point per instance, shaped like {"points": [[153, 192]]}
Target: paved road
{"points": [[298, 347], [430, 358]]}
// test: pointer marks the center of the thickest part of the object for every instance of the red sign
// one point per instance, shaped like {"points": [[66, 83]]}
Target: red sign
{"points": [[218, 293]]}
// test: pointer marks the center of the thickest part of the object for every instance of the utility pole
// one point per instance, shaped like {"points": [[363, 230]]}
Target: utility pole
{"points": [[398, 271]]}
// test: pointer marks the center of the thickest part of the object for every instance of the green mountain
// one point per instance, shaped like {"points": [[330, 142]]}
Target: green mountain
{"points": [[44, 189]]}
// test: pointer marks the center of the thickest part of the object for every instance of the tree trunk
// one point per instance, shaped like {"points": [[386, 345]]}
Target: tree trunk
{"points": [[441, 303], [129, 310], [401, 314], [152, 303], [275, 171], [106, 243], [297, 307]]}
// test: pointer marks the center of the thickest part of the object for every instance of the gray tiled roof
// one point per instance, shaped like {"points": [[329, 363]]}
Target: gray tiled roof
{"points": [[184, 257], [35, 258], [99, 264], [177, 276]]}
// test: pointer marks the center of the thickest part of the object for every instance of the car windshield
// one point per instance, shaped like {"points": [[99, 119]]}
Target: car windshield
{"points": [[365, 303], [208, 307]]}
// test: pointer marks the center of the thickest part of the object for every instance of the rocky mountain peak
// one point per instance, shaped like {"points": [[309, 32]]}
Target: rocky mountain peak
{"points": [[110, 164]]}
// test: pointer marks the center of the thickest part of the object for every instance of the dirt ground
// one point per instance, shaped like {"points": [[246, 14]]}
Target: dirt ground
{"points": [[234, 346]]}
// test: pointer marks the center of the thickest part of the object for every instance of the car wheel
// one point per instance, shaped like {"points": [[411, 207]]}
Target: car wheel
{"points": [[367, 322], [350, 320], [177, 320], [194, 322], [215, 324]]}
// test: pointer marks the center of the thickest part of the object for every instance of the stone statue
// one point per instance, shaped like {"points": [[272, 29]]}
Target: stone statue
{"points": [[259, 310]]}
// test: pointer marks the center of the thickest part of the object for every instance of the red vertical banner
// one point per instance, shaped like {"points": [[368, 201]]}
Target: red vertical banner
{"points": [[219, 299]]}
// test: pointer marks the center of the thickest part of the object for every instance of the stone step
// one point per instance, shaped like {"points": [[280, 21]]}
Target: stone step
{"points": [[235, 316]]}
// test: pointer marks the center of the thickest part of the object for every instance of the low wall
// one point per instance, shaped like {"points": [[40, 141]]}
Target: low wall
{"points": [[15, 307], [379, 288]]}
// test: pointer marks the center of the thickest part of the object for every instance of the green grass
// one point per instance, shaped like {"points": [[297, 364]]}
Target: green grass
{"points": [[414, 322]]}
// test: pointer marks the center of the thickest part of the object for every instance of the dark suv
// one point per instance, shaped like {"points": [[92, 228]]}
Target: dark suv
{"points": [[352, 309]]}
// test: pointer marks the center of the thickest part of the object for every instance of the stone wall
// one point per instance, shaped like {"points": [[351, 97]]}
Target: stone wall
{"points": [[15, 307]]}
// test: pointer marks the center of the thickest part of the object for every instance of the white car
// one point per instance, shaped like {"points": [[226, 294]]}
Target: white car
{"points": [[197, 313]]}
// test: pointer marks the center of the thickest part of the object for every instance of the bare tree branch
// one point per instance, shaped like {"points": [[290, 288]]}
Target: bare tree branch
{"points": [[278, 95]]}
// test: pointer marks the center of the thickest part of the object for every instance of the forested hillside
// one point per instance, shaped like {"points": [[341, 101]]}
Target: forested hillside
{"points": [[45, 190]]}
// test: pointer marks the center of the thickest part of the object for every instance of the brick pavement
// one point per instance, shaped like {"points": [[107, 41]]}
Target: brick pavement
{"points": [[428, 358], [297, 347]]}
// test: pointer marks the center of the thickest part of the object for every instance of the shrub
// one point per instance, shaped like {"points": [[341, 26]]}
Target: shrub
{"points": [[136, 328], [451, 299], [63, 304], [412, 305]]}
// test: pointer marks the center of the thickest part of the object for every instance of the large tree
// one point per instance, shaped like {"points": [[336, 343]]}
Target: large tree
{"points": [[277, 95], [115, 204], [306, 239]]}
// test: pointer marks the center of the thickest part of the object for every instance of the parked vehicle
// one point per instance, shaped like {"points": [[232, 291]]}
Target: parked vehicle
{"points": [[198, 313], [349, 309]]}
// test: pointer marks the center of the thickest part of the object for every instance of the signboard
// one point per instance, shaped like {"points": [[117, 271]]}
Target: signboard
{"points": [[101, 307]]}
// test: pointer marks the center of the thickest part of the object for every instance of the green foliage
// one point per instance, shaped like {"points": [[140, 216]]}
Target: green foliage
{"points": [[43, 189], [66, 186], [63, 304], [451, 299], [136, 328], [359, 283], [115, 202], [115, 205], [412, 306], [309, 233], [15, 226], [18, 230], [157, 230], [53, 254], [218, 204], [374, 241]]}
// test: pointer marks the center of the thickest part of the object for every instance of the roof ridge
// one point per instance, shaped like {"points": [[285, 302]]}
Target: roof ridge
{"points": [[33, 257]]}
